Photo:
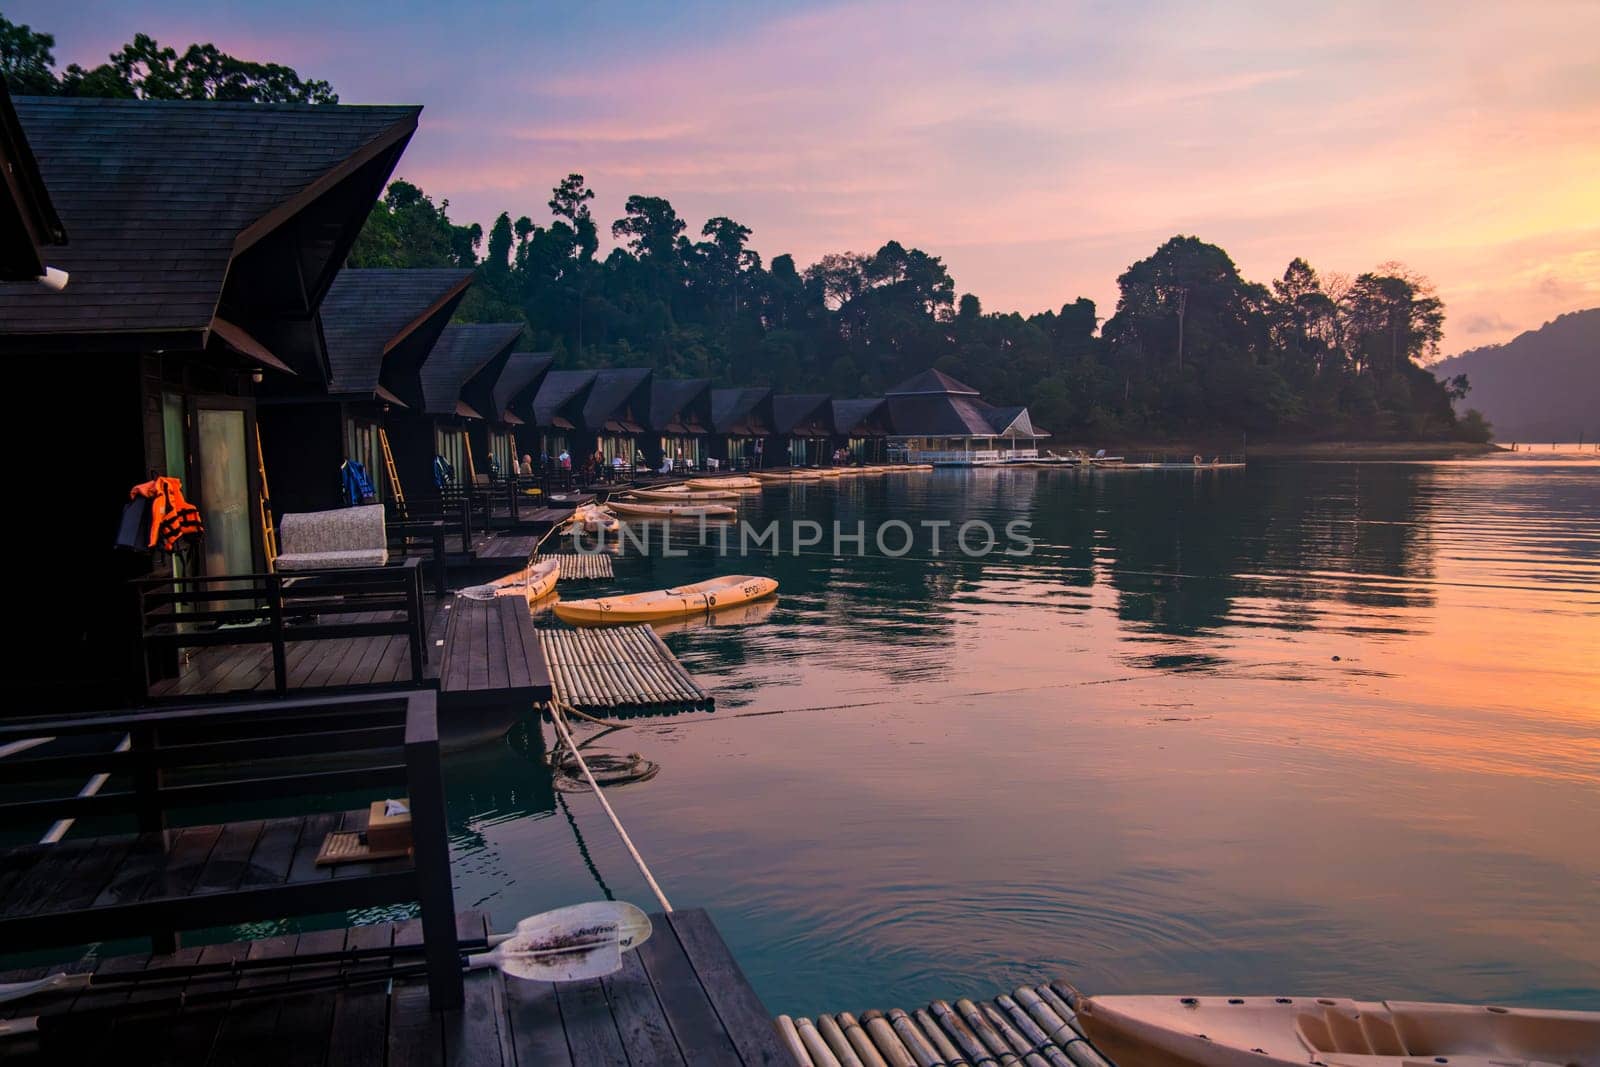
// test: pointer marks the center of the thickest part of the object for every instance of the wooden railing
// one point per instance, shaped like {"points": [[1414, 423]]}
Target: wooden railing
{"points": [[275, 609], [178, 767]]}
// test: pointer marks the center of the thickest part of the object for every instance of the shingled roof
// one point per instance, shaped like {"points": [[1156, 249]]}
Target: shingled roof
{"points": [[560, 398], [932, 382], [464, 356], [676, 404], [802, 414], [1012, 422], [514, 388], [740, 411], [369, 312], [163, 196], [849, 416], [619, 396], [28, 220], [939, 415]]}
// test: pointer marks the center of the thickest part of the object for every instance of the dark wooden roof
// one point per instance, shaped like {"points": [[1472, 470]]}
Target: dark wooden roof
{"points": [[803, 414], [166, 199], [617, 400], [518, 381], [367, 313], [466, 354], [939, 415], [746, 412], [932, 382], [560, 398], [680, 405], [852, 418], [1012, 422], [28, 220]]}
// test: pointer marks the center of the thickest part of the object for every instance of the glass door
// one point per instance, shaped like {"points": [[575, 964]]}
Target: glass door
{"points": [[224, 485]]}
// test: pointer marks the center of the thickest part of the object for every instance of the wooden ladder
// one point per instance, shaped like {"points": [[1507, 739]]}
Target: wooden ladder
{"points": [[269, 533], [388, 467]]}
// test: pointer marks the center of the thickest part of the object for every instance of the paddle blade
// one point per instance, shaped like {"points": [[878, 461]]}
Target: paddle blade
{"points": [[592, 959], [616, 919]]}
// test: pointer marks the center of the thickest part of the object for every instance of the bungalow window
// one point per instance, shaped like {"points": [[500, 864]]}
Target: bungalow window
{"points": [[451, 444], [361, 444]]}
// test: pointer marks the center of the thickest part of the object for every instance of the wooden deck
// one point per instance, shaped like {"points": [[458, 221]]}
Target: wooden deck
{"points": [[680, 999], [483, 656]]}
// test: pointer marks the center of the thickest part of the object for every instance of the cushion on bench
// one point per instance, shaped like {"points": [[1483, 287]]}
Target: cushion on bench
{"points": [[344, 537], [312, 561]]}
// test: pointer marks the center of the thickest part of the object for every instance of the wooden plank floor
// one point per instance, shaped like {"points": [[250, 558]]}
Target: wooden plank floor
{"points": [[679, 999]]}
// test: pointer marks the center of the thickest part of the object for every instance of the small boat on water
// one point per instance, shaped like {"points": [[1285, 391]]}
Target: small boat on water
{"points": [[626, 510], [534, 582], [731, 481], [1141, 1031], [789, 476], [729, 591], [674, 494]]}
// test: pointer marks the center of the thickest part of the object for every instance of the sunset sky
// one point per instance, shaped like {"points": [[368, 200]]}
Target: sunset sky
{"points": [[1038, 147]]}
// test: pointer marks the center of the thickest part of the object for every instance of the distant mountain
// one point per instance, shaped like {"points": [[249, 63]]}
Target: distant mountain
{"points": [[1541, 386]]}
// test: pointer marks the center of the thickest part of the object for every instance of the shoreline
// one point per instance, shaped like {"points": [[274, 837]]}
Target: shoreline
{"points": [[1326, 450]]}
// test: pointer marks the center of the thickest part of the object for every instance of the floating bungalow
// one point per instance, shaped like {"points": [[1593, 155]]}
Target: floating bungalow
{"points": [[936, 419], [378, 327], [614, 414], [802, 429], [741, 421], [679, 422], [513, 396], [204, 237], [557, 410], [458, 381], [861, 427]]}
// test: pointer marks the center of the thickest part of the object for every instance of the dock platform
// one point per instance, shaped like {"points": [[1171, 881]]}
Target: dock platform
{"points": [[1032, 1026], [679, 999]]}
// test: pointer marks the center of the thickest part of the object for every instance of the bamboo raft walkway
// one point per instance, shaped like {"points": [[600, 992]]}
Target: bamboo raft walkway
{"points": [[580, 566], [619, 668], [1033, 1026]]}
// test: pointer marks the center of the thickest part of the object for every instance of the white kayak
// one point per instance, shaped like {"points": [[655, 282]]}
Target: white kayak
{"points": [[1335, 1032], [534, 582], [681, 495]]}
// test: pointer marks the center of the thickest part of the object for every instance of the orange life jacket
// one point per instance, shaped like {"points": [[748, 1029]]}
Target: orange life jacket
{"points": [[172, 518]]}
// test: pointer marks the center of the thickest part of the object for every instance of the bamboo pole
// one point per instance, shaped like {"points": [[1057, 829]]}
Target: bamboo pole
{"points": [[975, 1021], [915, 1041], [791, 1040], [829, 1029], [931, 1029], [1031, 1031], [882, 1035], [860, 1041], [1070, 1041], [967, 1041], [821, 1055], [997, 1021]]}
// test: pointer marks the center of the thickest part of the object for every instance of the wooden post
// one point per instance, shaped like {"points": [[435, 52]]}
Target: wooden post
{"points": [[431, 844]]}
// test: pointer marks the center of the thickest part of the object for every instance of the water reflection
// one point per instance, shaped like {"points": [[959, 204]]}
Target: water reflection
{"points": [[1315, 727]]}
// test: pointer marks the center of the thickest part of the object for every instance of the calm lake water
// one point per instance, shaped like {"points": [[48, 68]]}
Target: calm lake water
{"points": [[1302, 728]]}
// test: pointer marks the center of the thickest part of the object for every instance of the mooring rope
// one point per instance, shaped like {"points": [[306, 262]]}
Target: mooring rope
{"points": [[644, 868]]}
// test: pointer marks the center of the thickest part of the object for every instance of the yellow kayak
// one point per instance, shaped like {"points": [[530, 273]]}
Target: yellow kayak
{"points": [[789, 476], [671, 511], [534, 582], [693, 599], [594, 518], [732, 481], [1284, 1031], [684, 496]]}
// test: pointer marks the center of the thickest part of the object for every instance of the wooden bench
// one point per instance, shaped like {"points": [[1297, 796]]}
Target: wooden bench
{"points": [[423, 538], [275, 609], [158, 864], [454, 510]]}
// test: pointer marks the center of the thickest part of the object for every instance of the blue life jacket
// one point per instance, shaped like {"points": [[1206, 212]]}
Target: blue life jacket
{"points": [[357, 486], [443, 474]]}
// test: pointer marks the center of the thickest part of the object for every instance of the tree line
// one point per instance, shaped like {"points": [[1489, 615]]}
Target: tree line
{"points": [[1193, 349]]}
